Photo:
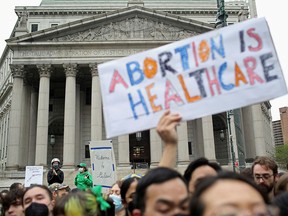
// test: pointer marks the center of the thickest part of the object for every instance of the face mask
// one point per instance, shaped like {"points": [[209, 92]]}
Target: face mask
{"points": [[117, 202], [81, 169], [56, 166]]}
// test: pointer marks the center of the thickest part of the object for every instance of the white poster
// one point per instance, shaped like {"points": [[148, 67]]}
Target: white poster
{"points": [[103, 163], [33, 175], [220, 70]]}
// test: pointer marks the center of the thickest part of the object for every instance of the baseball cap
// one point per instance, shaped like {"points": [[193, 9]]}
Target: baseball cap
{"points": [[82, 165], [57, 186]]}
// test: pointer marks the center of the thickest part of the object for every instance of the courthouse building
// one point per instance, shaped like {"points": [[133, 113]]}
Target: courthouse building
{"points": [[50, 100]]}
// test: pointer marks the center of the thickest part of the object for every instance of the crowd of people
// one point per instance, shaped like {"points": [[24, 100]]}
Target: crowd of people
{"points": [[204, 189]]}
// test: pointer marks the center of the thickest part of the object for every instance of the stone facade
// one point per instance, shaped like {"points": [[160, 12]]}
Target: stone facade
{"points": [[49, 85]]}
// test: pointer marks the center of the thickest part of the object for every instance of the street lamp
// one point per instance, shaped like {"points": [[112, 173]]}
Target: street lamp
{"points": [[230, 140]]}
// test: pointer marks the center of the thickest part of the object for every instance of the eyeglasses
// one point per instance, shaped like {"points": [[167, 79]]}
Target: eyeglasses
{"points": [[263, 176]]}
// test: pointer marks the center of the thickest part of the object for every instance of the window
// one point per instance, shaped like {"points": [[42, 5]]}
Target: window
{"points": [[190, 148], [34, 27], [53, 24], [87, 151]]}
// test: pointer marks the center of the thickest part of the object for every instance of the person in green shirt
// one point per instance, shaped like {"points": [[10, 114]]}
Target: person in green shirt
{"points": [[83, 179]]}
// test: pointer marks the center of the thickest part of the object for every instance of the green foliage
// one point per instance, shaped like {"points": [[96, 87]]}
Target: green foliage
{"points": [[282, 154]]}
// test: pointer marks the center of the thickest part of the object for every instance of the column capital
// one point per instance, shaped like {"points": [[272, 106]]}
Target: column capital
{"points": [[17, 70], [70, 70], [94, 69], [45, 70]]}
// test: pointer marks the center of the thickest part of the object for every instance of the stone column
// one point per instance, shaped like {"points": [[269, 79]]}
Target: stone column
{"points": [[26, 103], [183, 153], [123, 151], [13, 151], [43, 115], [155, 148], [70, 116], [33, 127], [208, 138], [96, 105]]}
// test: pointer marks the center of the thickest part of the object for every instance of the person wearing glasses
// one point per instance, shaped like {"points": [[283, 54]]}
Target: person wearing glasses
{"points": [[265, 174]]}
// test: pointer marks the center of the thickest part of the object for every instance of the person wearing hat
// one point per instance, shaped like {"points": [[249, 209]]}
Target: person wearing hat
{"points": [[55, 175], [83, 179], [59, 190]]}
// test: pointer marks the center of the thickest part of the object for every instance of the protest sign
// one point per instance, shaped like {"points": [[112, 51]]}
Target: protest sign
{"points": [[223, 69], [103, 163], [33, 175]]}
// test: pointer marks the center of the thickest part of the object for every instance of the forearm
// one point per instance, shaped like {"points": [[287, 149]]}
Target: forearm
{"points": [[169, 156]]}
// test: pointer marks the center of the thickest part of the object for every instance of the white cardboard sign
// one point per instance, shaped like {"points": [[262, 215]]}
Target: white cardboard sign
{"points": [[33, 175], [103, 163], [223, 69]]}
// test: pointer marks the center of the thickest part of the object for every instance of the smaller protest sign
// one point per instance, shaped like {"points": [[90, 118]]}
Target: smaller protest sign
{"points": [[33, 175], [103, 163]]}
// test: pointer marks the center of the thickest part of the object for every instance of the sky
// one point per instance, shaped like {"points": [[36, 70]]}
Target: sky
{"points": [[273, 12]]}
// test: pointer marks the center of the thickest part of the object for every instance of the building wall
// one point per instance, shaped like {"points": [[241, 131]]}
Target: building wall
{"points": [[284, 123], [205, 140]]}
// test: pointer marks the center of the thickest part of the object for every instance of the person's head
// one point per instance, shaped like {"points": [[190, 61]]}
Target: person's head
{"points": [[247, 172], [82, 167], [12, 202], [162, 191], [128, 189], [281, 185], [58, 190], [39, 194], [265, 173], [199, 169], [80, 203], [115, 189], [228, 193], [55, 163], [16, 185]]}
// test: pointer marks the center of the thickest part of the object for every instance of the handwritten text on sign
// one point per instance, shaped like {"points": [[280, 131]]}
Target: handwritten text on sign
{"points": [[103, 165], [220, 70]]}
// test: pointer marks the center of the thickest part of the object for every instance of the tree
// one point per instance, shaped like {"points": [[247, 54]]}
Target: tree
{"points": [[282, 155]]}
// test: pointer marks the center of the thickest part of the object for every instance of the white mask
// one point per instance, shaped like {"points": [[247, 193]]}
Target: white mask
{"points": [[81, 169]]}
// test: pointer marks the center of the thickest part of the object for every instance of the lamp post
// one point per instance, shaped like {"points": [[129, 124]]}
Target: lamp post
{"points": [[221, 14], [230, 140]]}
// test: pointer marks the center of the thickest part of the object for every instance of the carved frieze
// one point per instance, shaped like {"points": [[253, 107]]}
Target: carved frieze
{"points": [[45, 70], [135, 28], [70, 70]]}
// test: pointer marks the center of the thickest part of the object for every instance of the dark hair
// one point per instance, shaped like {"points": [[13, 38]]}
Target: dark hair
{"points": [[126, 185], [197, 207], [198, 163], [281, 201], [247, 172], [16, 185], [154, 176], [13, 197], [44, 187], [267, 162], [281, 185]]}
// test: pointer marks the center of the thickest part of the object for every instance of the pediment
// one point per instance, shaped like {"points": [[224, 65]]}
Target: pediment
{"points": [[129, 24]]}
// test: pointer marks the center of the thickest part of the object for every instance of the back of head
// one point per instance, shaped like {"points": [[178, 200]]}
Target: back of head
{"points": [[266, 162], [197, 163], [281, 201], [37, 209], [77, 203], [281, 185], [154, 176]]}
